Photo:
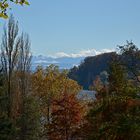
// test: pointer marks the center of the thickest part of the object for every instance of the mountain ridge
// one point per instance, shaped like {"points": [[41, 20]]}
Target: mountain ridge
{"points": [[65, 60]]}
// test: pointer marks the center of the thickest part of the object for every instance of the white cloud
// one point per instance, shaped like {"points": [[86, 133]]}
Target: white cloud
{"points": [[45, 61], [83, 53]]}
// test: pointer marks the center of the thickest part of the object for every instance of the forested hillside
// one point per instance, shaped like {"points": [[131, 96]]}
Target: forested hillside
{"points": [[92, 66], [98, 65]]}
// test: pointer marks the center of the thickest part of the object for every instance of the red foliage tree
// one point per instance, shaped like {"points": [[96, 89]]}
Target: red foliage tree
{"points": [[66, 117]]}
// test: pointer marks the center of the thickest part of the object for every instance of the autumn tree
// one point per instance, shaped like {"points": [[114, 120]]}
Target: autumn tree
{"points": [[45, 83], [49, 85], [67, 113]]}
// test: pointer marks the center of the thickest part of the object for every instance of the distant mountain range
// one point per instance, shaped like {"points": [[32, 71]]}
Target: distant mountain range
{"points": [[82, 69], [64, 60]]}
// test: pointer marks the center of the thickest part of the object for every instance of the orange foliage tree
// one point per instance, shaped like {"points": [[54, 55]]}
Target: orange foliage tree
{"points": [[67, 116], [56, 92]]}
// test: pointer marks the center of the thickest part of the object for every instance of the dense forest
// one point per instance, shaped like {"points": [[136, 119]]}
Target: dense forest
{"points": [[43, 105]]}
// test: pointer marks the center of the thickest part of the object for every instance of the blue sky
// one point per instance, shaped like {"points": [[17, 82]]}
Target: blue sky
{"points": [[72, 26]]}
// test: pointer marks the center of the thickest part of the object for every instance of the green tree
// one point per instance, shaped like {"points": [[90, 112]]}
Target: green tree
{"points": [[116, 114], [30, 120], [7, 128], [131, 61], [117, 77]]}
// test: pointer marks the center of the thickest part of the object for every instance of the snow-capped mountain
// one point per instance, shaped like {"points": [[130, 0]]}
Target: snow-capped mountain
{"points": [[64, 60]]}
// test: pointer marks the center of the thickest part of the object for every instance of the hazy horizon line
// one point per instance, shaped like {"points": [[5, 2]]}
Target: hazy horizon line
{"points": [[81, 53]]}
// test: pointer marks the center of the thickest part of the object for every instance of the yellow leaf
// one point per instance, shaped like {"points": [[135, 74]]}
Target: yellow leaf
{"points": [[2, 15]]}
